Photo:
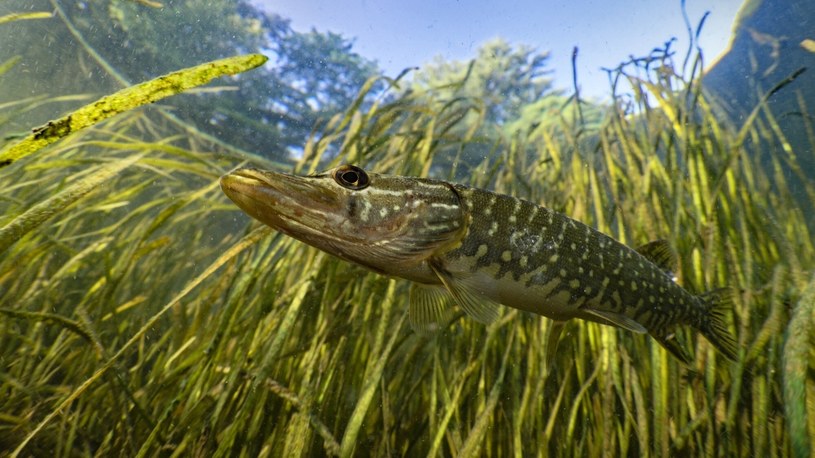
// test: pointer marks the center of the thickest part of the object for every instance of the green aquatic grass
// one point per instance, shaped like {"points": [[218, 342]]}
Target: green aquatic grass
{"points": [[25, 16], [798, 351], [42, 211], [151, 317]]}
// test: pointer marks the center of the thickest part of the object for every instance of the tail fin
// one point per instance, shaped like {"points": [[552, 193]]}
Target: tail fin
{"points": [[717, 304]]}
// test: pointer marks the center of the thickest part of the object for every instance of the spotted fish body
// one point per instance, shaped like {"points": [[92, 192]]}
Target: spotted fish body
{"points": [[478, 249]]}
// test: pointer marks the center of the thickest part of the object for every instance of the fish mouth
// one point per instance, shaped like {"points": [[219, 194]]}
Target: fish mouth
{"points": [[245, 182], [297, 206], [267, 188]]}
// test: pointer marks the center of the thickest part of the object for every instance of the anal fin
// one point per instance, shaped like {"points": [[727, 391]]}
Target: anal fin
{"points": [[671, 342]]}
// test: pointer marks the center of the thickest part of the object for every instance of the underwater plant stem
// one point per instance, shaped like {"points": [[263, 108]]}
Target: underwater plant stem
{"points": [[24, 16], [257, 159], [349, 438], [331, 445], [477, 433], [127, 99], [87, 46], [41, 212], [796, 353]]}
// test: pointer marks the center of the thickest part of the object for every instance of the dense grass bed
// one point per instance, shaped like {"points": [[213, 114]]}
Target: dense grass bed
{"points": [[146, 315]]}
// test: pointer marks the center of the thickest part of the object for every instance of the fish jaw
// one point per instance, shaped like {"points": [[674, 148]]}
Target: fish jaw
{"points": [[393, 226], [284, 202]]}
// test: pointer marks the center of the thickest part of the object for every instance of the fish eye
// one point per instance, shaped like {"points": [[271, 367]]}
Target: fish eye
{"points": [[351, 177]]}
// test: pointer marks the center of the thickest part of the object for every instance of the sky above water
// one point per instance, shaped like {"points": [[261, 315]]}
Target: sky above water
{"points": [[406, 33]]}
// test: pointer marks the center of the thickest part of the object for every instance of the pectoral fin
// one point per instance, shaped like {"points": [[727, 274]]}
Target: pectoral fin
{"points": [[431, 308], [470, 293]]}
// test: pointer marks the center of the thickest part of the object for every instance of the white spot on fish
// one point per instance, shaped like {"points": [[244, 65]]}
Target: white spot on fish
{"points": [[441, 227], [506, 256], [562, 298], [488, 209], [532, 214], [546, 287], [482, 250], [366, 210], [524, 242]]}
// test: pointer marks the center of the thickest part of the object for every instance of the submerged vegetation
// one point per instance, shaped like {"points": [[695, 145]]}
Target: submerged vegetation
{"points": [[151, 317]]}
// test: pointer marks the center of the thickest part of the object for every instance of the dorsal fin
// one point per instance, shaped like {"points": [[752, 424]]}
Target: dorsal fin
{"points": [[660, 253]]}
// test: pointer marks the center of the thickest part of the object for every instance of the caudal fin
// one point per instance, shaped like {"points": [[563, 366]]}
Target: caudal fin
{"points": [[718, 304]]}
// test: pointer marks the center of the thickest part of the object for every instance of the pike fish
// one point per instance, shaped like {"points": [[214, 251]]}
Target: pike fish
{"points": [[478, 249]]}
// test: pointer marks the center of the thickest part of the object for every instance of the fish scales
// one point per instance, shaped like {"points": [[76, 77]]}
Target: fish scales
{"points": [[592, 267], [478, 249]]}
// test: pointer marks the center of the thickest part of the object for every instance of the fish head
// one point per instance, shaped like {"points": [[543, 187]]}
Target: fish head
{"points": [[379, 221]]}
